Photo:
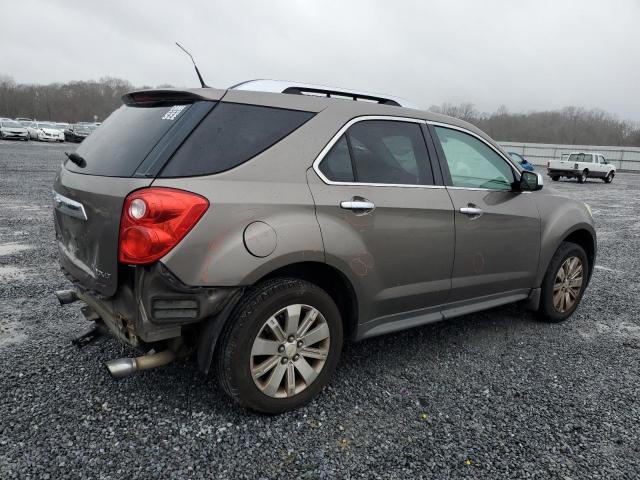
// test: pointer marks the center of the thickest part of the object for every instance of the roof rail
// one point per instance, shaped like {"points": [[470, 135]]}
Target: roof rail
{"points": [[295, 88]]}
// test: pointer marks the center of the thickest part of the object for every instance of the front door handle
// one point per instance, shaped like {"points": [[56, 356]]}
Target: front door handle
{"points": [[472, 211], [360, 205]]}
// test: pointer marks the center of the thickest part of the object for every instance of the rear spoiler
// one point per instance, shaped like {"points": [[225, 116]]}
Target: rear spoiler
{"points": [[146, 98]]}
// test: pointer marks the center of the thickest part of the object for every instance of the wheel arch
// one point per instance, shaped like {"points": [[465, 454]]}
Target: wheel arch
{"points": [[331, 280], [586, 240]]}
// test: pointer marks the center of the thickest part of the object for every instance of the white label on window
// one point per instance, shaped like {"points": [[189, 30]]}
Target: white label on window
{"points": [[173, 112]]}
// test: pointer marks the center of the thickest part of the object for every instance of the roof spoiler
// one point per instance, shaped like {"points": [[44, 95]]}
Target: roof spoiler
{"points": [[153, 97]]}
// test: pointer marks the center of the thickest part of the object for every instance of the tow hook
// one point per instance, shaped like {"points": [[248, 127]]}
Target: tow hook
{"points": [[66, 296]]}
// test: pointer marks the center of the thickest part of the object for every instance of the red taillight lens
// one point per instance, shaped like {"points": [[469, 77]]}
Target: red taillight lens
{"points": [[154, 220]]}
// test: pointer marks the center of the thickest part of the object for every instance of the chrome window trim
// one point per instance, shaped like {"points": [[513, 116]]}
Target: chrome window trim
{"points": [[345, 127], [469, 132]]}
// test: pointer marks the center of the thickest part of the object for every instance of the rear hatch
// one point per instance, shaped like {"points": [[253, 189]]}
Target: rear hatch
{"points": [[124, 154]]}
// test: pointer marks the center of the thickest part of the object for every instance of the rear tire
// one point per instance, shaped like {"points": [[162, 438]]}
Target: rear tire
{"points": [[609, 177], [583, 177], [555, 178], [562, 263], [255, 363]]}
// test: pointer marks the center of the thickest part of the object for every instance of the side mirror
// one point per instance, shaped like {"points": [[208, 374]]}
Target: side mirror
{"points": [[530, 181]]}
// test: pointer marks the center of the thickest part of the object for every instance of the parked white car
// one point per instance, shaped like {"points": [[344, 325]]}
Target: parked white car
{"points": [[45, 132], [10, 129], [581, 166]]}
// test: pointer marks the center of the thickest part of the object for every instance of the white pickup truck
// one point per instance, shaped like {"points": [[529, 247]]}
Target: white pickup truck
{"points": [[581, 165]]}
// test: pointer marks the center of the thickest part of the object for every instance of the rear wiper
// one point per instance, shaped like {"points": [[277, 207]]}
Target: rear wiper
{"points": [[77, 159]]}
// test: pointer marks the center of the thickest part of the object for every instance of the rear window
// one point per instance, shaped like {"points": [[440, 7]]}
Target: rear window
{"points": [[124, 139], [231, 135]]}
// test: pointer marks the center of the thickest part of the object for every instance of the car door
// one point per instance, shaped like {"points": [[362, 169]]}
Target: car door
{"points": [[386, 221], [497, 228]]}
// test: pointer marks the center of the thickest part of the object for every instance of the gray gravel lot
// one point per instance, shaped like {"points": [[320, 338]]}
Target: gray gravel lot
{"points": [[490, 395]]}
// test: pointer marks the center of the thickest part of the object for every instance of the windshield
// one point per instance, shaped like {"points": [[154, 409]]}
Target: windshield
{"points": [[45, 125], [11, 125]]}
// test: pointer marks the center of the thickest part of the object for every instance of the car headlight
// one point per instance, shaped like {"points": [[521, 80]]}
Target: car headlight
{"points": [[588, 209]]}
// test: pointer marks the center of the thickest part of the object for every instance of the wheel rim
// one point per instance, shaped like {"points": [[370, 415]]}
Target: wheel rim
{"points": [[290, 351], [568, 284]]}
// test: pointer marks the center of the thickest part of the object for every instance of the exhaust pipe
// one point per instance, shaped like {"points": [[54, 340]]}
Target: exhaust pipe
{"points": [[66, 296], [123, 367]]}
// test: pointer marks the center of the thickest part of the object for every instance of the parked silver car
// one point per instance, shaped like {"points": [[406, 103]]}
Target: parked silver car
{"points": [[44, 132], [261, 225], [10, 129]]}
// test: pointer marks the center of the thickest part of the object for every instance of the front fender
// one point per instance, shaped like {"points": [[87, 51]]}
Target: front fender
{"points": [[560, 217]]}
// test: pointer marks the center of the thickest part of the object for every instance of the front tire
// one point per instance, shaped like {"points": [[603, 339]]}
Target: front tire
{"points": [[564, 283], [555, 178], [280, 345], [609, 177]]}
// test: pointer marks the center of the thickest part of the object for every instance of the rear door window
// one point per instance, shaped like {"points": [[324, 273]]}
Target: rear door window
{"points": [[231, 135], [336, 166], [125, 138], [381, 152]]}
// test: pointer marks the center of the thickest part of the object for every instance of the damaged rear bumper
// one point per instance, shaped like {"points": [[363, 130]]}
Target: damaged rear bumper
{"points": [[152, 305]]}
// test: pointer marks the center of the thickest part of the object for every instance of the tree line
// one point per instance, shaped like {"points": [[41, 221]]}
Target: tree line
{"points": [[88, 100], [567, 126], [63, 102]]}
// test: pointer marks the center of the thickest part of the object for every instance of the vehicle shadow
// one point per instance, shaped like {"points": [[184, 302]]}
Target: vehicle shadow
{"points": [[485, 333]]}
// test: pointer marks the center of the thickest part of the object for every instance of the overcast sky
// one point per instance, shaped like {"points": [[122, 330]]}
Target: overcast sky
{"points": [[526, 55]]}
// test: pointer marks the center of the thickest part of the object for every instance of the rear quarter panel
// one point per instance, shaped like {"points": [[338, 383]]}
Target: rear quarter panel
{"points": [[270, 188]]}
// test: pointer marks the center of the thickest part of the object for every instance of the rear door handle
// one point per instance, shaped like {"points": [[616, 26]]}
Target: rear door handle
{"points": [[362, 205], [471, 211]]}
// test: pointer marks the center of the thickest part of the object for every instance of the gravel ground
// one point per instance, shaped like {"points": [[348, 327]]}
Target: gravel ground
{"points": [[490, 395]]}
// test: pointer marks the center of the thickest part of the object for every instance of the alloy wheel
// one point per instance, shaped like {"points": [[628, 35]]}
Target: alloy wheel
{"points": [[289, 351], [568, 284]]}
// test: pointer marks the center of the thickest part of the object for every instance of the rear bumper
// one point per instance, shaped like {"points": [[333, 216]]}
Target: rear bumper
{"points": [[153, 305], [552, 172]]}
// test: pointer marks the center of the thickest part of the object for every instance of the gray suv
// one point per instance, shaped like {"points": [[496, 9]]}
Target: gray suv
{"points": [[259, 227]]}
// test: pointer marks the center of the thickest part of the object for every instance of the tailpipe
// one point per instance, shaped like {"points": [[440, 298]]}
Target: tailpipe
{"points": [[66, 296], [123, 367]]}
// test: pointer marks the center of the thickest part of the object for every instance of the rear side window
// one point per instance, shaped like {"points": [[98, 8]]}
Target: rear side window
{"points": [[231, 135], [381, 152], [122, 142], [336, 166]]}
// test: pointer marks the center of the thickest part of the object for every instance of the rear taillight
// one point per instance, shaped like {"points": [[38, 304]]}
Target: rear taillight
{"points": [[154, 220]]}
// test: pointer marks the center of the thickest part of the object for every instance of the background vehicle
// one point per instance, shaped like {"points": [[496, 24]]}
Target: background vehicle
{"points": [[62, 126], [260, 226], [581, 166], [522, 161], [22, 119], [44, 132], [10, 129], [77, 133]]}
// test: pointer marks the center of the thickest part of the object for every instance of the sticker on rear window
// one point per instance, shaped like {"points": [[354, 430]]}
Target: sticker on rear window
{"points": [[173, 112]]}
